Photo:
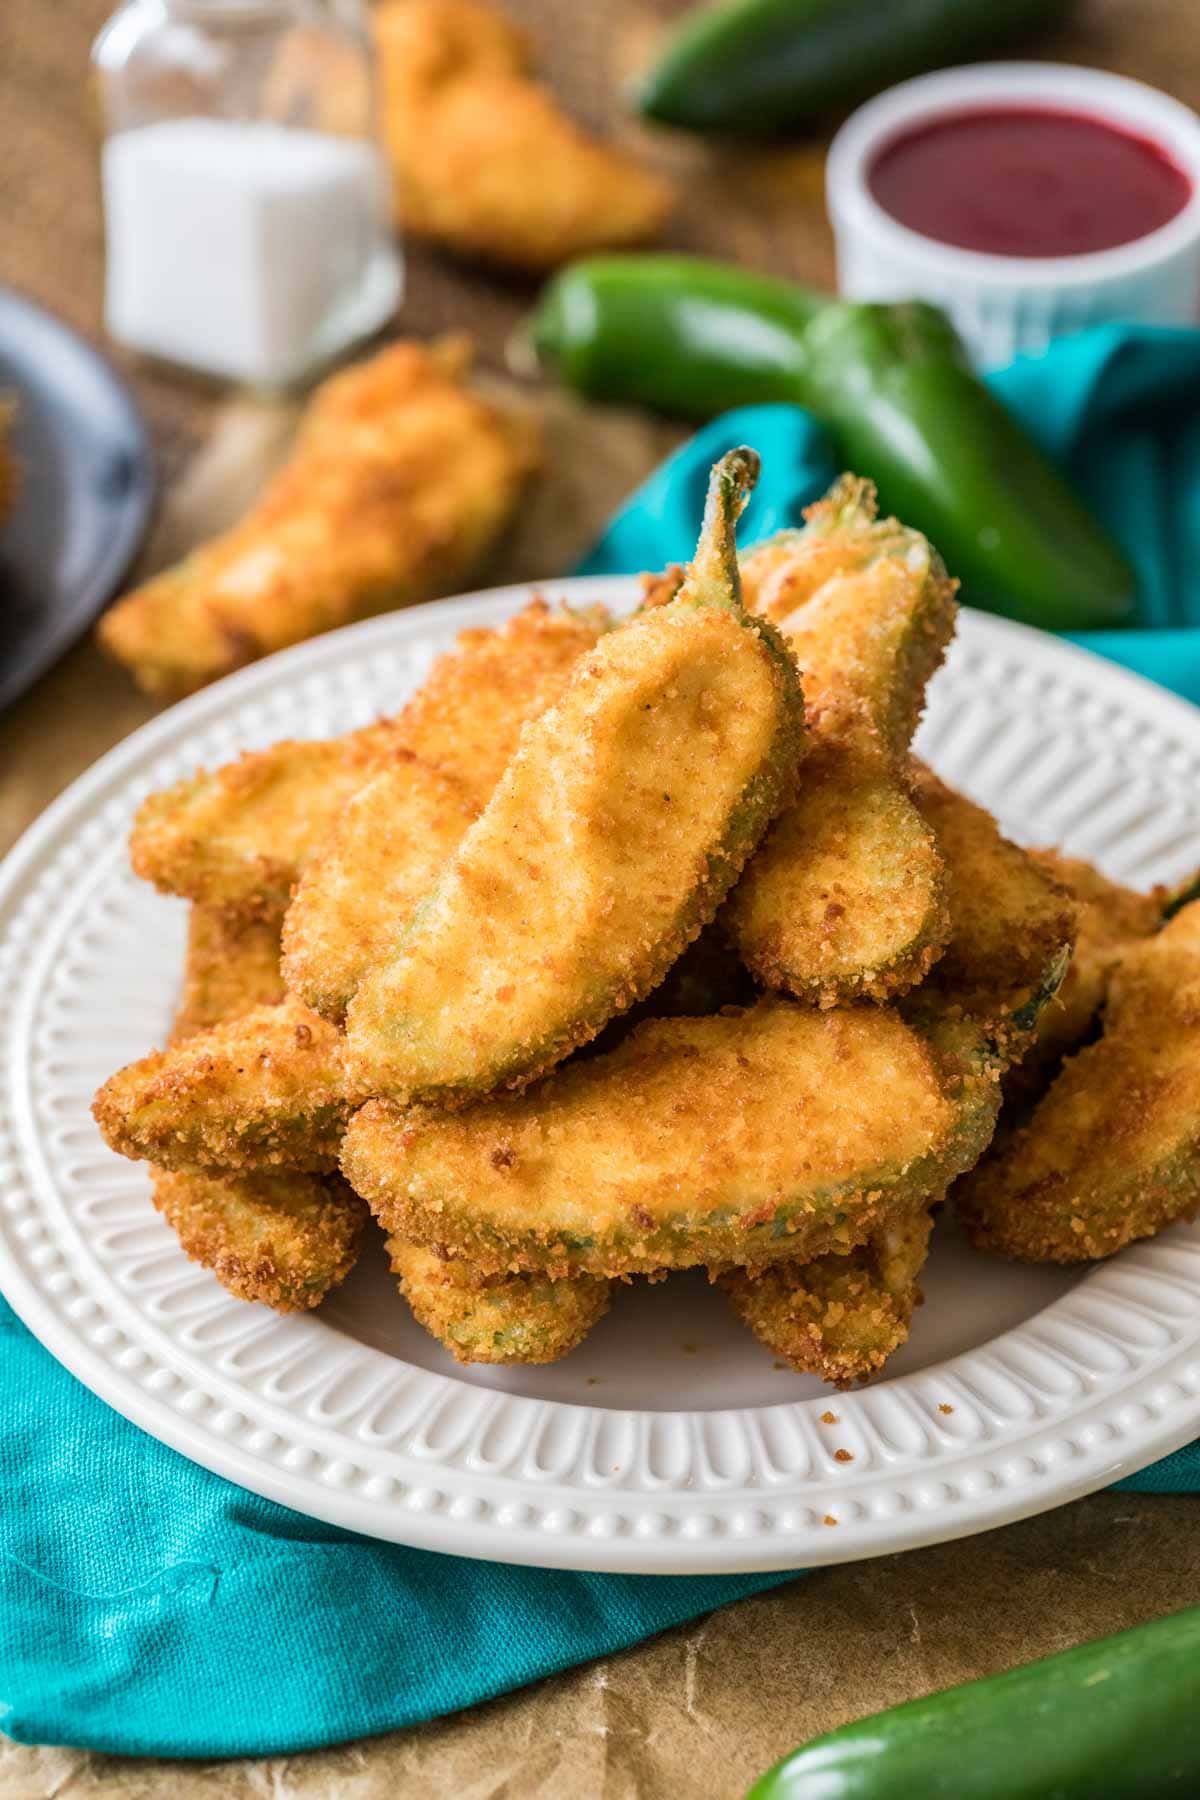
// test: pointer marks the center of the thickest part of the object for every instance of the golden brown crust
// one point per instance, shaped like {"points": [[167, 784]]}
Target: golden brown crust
{"points": [[613, 836], [867, 608], [384, 854], [465, 124], [841, 1317], [231, 965], [468, 714], [259, 1092], [661, 588], [845, 900], [1112, 1151], [242, 835], [496, 1318], [1013, 924], [1110, 919], [283, 1238], [741, 1138], [273, 1235], [238, 836], [394, 836], [400, 480]]}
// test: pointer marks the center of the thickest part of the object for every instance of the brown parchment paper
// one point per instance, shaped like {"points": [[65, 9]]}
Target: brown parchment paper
{"points": [[698, 1712]]}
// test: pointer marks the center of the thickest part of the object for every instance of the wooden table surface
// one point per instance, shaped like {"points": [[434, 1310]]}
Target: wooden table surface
{"points": [[697, 1711]]}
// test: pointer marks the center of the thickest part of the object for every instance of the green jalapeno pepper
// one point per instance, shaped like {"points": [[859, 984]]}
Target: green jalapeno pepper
{"points": [[1112, 1720], [691, 338], [760, 66]]}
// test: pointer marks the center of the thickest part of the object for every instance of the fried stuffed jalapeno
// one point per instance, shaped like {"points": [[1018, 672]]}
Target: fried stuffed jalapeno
{"points": [[280, 1237], [839, 1317], [846, 900], [777, 1131], [496, 1318], [1111, 1153], [393, 837], [615, 832], [262, 1091], [241, 836], [401, 479]]}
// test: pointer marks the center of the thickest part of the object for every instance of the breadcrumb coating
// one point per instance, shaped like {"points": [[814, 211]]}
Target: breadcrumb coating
{"points": [[231, 965], [1110, 918], [614, 834], [1013, 925], [237, 837], [1111, 1153], [282, 1238], [394, 836], [846, 900], [496, 1319], [781, 1131], [276, 1236], [242, 835], [840, 1317], [400, 480], [259, 1092]]}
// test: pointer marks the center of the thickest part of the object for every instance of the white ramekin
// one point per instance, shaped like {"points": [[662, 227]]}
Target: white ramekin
{"points": [[1006, 304]]}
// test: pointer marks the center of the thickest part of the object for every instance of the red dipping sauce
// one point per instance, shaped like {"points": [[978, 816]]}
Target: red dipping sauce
{"points": [[1026, 181]]}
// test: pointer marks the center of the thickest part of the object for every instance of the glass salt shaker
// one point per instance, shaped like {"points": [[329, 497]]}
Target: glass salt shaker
{"points": [[246, 197]]}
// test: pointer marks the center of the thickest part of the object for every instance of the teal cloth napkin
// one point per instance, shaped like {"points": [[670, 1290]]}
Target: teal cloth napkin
{"points": [[151, 1608]]}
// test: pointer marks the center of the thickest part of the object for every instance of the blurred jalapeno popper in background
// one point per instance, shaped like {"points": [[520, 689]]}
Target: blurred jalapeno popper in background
{"points": [[400, 481], [466, 124]]}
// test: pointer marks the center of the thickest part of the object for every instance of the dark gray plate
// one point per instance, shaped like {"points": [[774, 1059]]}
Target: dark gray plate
{"points": [[86, 491]]}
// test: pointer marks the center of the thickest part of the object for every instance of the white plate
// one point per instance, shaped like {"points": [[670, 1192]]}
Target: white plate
{"points": [[670, 1442]]}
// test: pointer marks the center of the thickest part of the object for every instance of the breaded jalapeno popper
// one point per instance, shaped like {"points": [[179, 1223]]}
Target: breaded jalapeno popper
{"points": [[393, 838], [618, 827], [1012, 926], [839, 1317], [242, 836], [467, 125], [263, 1090], [285, 1237], [1111, 919], [1111, 1153], [496, 1318], [744, 1138], [400, 481], [514, 1006], [1010, 933], [845, 900], [280, 1236]]}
